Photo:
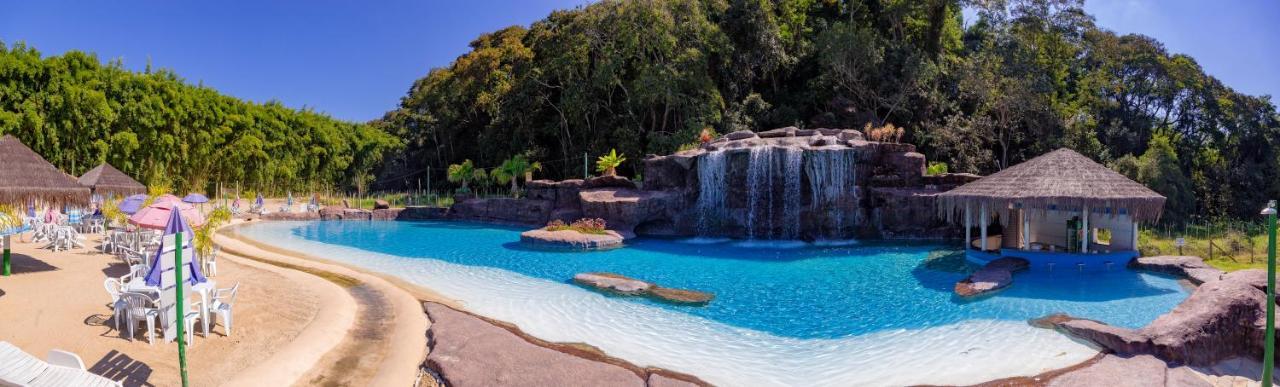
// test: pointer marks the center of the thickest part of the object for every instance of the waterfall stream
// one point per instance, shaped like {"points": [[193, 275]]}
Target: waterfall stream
{"points": [[774, 192]]}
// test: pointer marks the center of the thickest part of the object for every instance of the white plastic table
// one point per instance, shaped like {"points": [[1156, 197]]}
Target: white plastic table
{"points": [[203, 289]]}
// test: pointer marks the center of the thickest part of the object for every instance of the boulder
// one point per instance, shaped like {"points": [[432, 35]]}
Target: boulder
{"points": [[996, 275], [849, 135], [623, 285], [385, 214], [609, 181], [624, 209], [613, 283], [331, 213], [789, 131], [660, 380], [1192, 268], [740, 135], [423, 213], [1222, 319], [1256, 278], [381, 204], [469, 351], [570, 239]]}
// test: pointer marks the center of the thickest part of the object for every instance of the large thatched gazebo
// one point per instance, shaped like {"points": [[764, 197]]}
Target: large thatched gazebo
{"points": [[24, 176], [107, 180], [1058, 207]]}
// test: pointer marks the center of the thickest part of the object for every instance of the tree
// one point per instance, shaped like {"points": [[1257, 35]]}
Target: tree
{"points": [[464, 173], [608, 164], [512, 170]]}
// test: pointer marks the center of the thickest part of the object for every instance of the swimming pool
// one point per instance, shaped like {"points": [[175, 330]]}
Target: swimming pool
{"points": [[785, 313]]}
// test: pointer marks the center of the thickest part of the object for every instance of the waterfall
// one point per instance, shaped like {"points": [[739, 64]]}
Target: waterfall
{"points": [[831, 179], [760, 168], [791, 193], [711, 190]]}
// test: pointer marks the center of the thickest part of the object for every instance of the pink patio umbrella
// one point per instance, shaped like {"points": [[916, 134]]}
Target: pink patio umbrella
{"points": [[156, 216]]}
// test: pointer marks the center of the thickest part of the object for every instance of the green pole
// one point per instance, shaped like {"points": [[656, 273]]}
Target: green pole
{"points": [[585, 175], [7, 269], [182, 311], [1268, 357]]}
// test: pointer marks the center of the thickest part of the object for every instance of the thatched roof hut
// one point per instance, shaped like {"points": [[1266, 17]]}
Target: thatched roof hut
{"points": [[1061, 178], [106, 179], [24, 175]]}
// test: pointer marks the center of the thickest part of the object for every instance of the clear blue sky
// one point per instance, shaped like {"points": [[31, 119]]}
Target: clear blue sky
{"points": [[354, 59]]}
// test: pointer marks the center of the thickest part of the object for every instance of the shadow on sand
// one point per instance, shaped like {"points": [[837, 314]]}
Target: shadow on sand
{"points": [[25, 264], [122, 368]]}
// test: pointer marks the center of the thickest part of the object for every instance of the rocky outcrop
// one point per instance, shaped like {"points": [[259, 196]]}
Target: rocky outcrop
{"points": [[381, 204], [1192, 268], [467, 350], [570, 239], [783, 183], [995, 275], [624, 209], [609, 181], [1222, 319], [623, 285]]}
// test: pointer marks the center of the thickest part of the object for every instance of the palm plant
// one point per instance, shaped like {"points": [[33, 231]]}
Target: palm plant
{"points": [[463, 174], [512, 169], [608, 164]]}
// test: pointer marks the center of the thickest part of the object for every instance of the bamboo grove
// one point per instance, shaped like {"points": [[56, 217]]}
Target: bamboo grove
{"points": [[78, 112]]}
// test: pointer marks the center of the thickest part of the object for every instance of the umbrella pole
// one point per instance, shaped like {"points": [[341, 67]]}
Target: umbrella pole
{"points": [[182, 311], [6, 256]]}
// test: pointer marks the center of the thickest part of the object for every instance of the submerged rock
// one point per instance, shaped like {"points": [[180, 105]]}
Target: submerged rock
{"points": [[613, 283], [996, 275], [623, 285], [571, 239]]}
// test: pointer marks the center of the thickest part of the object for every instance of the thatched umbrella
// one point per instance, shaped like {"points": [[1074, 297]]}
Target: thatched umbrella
{"points": [[106, 179], [1062, 178], [24, 176]]}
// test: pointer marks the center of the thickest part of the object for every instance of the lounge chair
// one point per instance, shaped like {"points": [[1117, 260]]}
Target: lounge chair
{"points": [[18, 368]]}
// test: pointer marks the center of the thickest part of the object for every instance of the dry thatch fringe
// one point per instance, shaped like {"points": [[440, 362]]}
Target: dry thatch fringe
{"points": [[1061, 178], [106, 179], [25, 176]]}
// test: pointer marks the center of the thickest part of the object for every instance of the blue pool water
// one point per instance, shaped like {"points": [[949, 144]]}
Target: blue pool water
{"points": [[785, 289]]}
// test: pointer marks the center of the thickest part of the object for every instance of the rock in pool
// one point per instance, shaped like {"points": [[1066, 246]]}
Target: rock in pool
{"points": [[571, 239], [996, 275], [623, 285]]}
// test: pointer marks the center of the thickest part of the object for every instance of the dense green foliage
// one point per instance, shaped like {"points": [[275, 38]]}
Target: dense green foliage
{"points": [[78, 113], [1024, 78]]}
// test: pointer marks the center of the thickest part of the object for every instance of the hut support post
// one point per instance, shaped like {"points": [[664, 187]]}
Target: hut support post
{"points": [[1026, 230], [968, 229], [982, 217], [1135, 235], [1084, 227]]}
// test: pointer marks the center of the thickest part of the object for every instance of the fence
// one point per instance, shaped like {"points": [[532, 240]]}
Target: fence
{"points": [[1243, 242]]}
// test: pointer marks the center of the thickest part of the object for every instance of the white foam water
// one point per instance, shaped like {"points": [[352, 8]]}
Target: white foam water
{"points": [[969, 352]]}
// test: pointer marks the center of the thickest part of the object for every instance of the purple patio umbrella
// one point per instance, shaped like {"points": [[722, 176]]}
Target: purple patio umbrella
{"points": [[132, 204], [176, 225], [195, 198]]}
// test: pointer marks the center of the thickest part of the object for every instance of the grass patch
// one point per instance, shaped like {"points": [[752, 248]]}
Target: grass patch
{"points": [[1228, 250]]}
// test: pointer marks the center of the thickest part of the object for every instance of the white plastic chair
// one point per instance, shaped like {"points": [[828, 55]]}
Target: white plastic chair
{"points": [[115, 288], [141, 307], [221, 303]]}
